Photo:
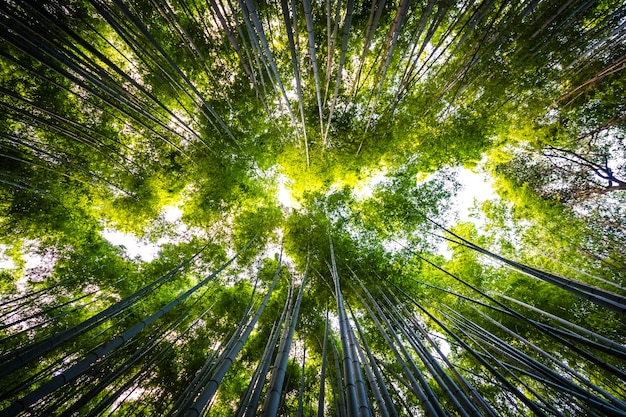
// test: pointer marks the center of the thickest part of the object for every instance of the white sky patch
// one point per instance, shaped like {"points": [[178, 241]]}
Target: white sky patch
{"points": [[394, 246], [442, 342], [37, 265], [172, 214], [476, 188], [284, 193], [6, 261], [365, 188], [133, 246], [292, 93], [34, 260], [148, 251], [273, 249]]}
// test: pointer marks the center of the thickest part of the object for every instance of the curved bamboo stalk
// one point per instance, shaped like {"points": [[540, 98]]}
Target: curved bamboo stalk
{"points": [[21, 357], [421, 390], [342, 61], [272, 400], [353, 406], [83, 366], [375, 381], [313, 55], [322, 392], [227, 358]]}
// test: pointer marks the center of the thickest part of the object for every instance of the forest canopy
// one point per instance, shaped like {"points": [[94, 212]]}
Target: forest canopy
{"points": [[296, 169]]}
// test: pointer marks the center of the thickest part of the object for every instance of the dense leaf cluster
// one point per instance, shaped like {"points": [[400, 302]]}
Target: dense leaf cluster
{"points": [[182, 124]]}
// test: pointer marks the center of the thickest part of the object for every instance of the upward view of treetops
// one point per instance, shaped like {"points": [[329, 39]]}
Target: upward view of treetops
{"points": [[285, 182]]}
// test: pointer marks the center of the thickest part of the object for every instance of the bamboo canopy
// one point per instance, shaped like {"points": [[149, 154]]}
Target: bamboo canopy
{"points": [[179, 124]]}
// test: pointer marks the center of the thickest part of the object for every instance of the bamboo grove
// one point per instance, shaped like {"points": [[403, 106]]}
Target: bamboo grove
{"points": [[348, 302]]}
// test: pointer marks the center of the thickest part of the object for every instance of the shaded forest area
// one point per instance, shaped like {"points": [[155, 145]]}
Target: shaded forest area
{"points": [[366, 295]]}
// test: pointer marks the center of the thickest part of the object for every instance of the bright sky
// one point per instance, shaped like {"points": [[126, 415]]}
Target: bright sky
{"points": [[366, 188], [133, 246], [146, 251], [475, 187], [32, 259], [5, 261], [284, 194]]}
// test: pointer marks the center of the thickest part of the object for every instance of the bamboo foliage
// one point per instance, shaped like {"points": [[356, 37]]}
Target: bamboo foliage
{"points": [[115, 111]]}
